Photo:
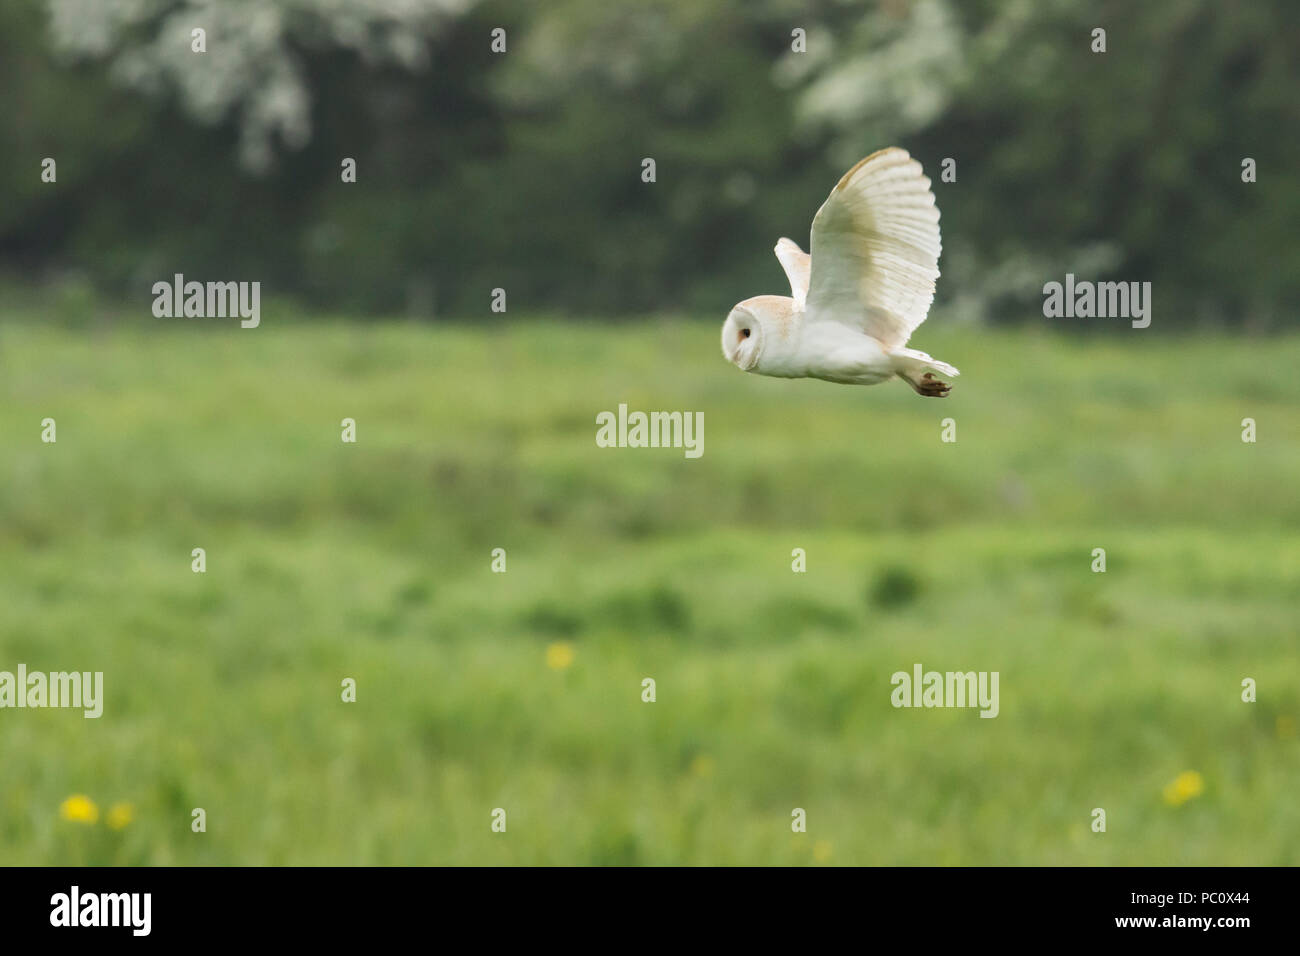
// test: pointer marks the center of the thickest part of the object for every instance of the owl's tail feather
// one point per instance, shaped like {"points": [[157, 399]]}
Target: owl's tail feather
{"points": [[917, 369], [914, 362]]}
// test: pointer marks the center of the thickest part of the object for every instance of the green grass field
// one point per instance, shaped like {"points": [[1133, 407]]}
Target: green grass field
{"points": [[372, 561]]}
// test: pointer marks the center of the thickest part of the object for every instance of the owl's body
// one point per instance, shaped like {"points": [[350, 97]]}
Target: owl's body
{"points": [[825, 350], [867, 285]]}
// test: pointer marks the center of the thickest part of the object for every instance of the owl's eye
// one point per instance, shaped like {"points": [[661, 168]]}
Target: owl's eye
{"points": [[745, 333]]}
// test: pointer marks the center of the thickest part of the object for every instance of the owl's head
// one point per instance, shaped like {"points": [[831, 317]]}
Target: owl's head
{"points": [[742, 336]]}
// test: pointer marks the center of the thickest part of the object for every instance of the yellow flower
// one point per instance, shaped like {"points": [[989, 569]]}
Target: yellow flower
{"points": [[559, 656], [1184, 787], [703, 766], [79, 809], [120, 816], [822, 851]]}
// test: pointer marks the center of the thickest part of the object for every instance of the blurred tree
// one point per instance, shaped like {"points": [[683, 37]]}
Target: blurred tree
{"points": [[257, 69], [480, 169], [1124, 164]]}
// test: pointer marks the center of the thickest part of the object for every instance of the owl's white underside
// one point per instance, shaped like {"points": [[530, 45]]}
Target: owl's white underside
{"points": [[827, 350]]}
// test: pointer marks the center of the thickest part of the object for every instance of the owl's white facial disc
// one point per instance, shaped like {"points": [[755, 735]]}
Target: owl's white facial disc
{"points": [[742, 339]]}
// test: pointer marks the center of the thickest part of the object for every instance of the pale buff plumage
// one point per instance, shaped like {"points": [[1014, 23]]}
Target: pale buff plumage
{"points": [[858, 297]]}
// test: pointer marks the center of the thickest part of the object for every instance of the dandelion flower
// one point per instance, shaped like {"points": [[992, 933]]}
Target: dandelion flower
{"points": [[703, 766], [79, 809], [559, 656], [1184, 787], [120, 816]]}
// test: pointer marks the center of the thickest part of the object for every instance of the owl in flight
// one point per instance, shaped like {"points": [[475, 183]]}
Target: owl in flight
{"points": [[857, 299]]}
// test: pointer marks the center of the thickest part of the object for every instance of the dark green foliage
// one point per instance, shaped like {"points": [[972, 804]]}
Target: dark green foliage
{"points": [[895, 587], [522, 170]]}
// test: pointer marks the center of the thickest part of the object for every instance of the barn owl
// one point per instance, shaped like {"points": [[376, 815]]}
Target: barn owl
{"points": [[857, 299]]}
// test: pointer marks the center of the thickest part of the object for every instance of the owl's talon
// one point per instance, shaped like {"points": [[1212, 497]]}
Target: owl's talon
{"points": [[929, 386]]}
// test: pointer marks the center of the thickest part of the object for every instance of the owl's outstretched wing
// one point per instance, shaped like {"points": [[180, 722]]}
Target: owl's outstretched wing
{"points": [[795, 263], [875, 249]]}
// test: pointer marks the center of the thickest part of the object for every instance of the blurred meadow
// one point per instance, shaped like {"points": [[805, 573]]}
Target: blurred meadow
{"points": [[522, 690], [502, 146]]}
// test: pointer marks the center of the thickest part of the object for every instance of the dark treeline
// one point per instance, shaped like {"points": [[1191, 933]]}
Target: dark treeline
{"points": [[480, 169]]}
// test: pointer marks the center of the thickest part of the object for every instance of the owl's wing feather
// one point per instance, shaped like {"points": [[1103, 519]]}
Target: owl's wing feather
{"points": [[795, 262], [875, 249]]}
